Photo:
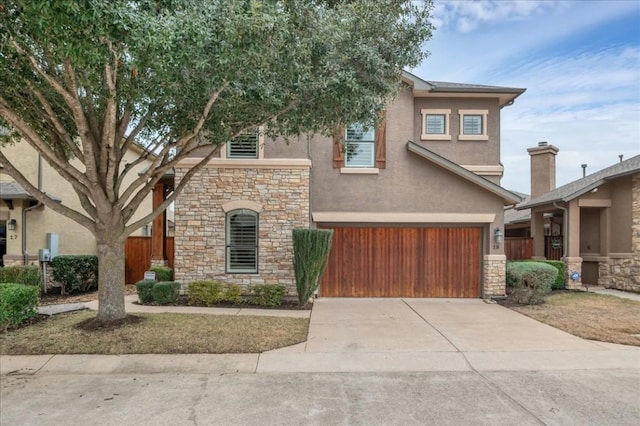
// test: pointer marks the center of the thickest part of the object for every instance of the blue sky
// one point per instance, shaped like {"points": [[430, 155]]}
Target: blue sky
{"points": [[578, 60]]}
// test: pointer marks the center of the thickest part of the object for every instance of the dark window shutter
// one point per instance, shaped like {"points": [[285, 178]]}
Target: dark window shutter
{"points": [[381, 142], [338, 146]]}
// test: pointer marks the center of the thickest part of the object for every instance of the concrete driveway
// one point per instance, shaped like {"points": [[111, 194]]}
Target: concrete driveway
{"points": [[348, 334]]}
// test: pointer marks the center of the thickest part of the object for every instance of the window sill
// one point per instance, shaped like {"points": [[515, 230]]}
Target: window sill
{"points": [[473, 138], [427, 137], [359, 171]]}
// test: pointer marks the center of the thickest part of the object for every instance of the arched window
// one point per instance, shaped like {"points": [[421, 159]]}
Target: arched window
{"points": [[242, 241]]}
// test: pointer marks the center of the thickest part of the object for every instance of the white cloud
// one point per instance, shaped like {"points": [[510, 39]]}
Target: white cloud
{"points": [[466, 16]]}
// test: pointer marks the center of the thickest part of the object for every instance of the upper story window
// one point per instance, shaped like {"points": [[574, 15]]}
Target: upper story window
{"points": [[473, 125], [435, 124], [242, 241], [359, 146]]}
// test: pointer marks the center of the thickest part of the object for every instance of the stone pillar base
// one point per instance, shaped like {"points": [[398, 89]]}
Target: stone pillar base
{"points": [[159, 262], [573, 264], [494, 275]]}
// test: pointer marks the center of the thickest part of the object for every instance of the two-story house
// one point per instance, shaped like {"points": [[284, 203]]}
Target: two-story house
{"points": [[416, 205]]}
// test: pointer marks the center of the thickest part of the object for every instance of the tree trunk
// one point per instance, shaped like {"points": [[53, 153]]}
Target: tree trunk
{"points": [[111, 279]]}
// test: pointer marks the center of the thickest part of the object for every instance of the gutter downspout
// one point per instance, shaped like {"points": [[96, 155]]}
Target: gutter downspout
{"points": [[28, 209], [24, 231]]}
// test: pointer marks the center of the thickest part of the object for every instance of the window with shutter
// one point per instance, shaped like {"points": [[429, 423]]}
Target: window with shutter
{"points": [[242, 241], [360, 148]]}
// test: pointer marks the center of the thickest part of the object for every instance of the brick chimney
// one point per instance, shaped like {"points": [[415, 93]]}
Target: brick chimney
{"points": [[543, 168]]}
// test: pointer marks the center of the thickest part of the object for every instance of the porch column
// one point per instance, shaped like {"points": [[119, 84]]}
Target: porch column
{"points": [[537, 232], [573, 259], [158, 243]]}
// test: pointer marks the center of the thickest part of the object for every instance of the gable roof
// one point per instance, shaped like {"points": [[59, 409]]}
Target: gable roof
{"points": [[581, 186], [430, 88], [508, 196], [513, 216]]}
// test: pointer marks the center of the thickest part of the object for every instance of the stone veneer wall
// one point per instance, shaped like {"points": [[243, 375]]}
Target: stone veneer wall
{"points": [[623, 273], [200, 223], [495, 277]]}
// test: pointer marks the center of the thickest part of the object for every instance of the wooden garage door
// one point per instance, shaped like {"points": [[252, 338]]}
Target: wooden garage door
{"points": [[403, 262]]}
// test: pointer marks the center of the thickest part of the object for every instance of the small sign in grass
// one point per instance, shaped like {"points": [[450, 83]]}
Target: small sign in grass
{"points": [[157, 334]]}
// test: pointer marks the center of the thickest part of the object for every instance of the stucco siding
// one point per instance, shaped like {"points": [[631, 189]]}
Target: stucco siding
{"points": [[73, 238]]}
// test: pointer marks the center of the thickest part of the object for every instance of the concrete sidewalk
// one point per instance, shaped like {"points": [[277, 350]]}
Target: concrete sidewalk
{"points": [[377, 335]]}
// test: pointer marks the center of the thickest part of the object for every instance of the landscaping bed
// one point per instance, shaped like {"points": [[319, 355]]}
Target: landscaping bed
{"points": [[588, 315]]}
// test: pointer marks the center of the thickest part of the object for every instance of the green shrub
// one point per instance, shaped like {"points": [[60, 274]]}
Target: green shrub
{"points": [[528, 282], [144, 289], [205, 292], [267, 294], [310, 256], [233, 294], [163, 273], [165, 292], [77, 273], [27, 275], [560, 281], [18, 303]]}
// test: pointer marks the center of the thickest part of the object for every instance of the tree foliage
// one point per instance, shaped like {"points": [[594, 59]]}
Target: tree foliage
{"points": [[89, 79]]}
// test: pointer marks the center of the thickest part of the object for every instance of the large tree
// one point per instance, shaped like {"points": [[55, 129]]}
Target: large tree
{"points": [[87, 79]]}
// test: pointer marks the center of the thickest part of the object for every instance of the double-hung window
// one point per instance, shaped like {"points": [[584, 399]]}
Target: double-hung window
{"points": [[473, 125], [359, 146], [246, 145], [435, 124], [242, 241]]}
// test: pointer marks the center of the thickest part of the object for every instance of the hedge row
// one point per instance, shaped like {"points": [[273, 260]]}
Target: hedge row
{"points": [[161, 293], [27, 275], [212, 292], [18, 302]]}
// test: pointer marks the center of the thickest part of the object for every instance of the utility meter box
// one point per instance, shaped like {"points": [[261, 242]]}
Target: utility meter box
{"points": [[44, 255], [52, 244]]}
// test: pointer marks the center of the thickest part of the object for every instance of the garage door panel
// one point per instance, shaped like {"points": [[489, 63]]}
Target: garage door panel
{"points": [[403, 262]]}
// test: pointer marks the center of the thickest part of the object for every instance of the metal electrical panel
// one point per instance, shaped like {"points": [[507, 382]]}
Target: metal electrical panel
{"points": [[52, 244], [44, 255]]}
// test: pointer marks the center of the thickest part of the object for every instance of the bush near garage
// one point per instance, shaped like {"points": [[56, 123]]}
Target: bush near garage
{"points": [[21, 274], [76, 273], [528, 282], [267, 294], [559, 283], [212, 292], [18, 302]]}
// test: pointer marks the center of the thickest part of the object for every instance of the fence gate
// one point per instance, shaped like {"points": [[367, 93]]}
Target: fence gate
{"points": [[137, 253]]}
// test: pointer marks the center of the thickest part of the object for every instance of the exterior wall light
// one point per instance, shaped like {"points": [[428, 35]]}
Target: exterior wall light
{"points": [[12, 224], [498, 236]]}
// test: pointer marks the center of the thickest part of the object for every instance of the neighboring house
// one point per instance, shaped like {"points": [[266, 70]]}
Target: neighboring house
{"points": [[415, 204], [599, 219], [25, 223]]}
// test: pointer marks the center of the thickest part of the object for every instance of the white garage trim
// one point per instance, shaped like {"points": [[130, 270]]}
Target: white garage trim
{"points": [[375, 217]]}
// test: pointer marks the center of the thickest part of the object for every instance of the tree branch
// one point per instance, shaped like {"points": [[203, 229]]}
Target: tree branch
{"points": [[45, 199]]}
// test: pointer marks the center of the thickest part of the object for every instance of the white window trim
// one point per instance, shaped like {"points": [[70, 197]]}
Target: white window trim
{"points": [[436, 137], [223, 149], [484, 113], [360, 170]]}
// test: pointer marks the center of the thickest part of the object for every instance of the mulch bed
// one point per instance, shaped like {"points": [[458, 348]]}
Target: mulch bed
{"points": [[291, 305], [92, 324]]}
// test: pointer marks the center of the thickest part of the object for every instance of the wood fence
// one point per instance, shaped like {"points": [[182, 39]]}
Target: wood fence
{"points": [[518, 248], [137, 253]]}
